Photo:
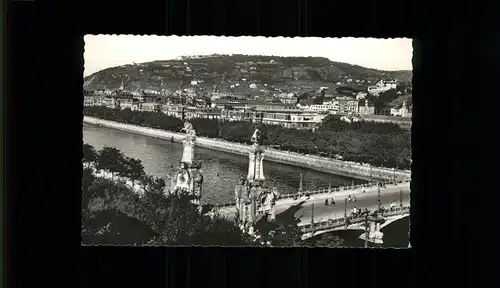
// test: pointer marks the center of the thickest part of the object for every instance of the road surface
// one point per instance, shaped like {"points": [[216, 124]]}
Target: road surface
{"points": [[302, 209]]}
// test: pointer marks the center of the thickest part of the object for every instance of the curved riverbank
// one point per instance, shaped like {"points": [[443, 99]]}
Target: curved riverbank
{"points": [[323, 164]]}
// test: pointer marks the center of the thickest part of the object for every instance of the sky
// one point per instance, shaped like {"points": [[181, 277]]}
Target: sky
{"points": [[104, 51]]}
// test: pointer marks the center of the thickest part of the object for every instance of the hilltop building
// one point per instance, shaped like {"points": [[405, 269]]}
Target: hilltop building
{"points": [[382, 86]]}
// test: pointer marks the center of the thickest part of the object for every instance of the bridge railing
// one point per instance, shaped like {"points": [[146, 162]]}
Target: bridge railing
{"points": [[395, 211], [320, 191], [340, 189], [339, 222]]}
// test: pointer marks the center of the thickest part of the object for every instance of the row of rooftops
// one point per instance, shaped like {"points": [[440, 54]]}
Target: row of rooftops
{"points": [[248, 102]]}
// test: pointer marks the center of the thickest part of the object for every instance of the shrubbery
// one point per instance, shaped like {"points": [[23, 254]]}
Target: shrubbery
{"points": [[379, 144]]}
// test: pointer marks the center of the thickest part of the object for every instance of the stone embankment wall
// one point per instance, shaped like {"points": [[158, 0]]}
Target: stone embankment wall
{"points": [[323, 164]]}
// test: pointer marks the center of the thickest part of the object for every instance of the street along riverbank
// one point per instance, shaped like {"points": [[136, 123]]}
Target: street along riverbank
{"points": [[322, 164]]}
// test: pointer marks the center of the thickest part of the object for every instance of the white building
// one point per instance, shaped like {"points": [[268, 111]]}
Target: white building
{"points": [[349, 119], [320, 107], [151, 91], [365, 108], [382, 86], [103, 92], [403, 111], [361, 95]]}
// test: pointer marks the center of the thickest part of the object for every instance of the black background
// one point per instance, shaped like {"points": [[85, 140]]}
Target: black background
{"points": [[454, 146]]}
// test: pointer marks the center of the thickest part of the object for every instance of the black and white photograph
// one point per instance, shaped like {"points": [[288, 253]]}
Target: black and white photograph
{"points": [[246, 141]]}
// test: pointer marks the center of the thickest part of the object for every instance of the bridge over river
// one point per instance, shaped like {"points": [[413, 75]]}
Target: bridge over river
{"points": [[353, 223], [312, 208]]}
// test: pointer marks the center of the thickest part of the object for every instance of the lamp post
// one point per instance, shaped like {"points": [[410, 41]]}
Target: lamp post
{"points": [[312, 214], [312, 220], [366, 230], [300, 183], [378, 198], [345, 208]]}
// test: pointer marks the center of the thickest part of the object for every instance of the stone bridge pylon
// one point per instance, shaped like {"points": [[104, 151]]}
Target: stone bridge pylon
{"points": [[251, 193], [189, 178]]}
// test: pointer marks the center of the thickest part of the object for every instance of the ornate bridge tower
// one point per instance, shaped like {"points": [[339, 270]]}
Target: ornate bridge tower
{"points": [[255, 181], [189, 178], [256, 160], [250, 193]]}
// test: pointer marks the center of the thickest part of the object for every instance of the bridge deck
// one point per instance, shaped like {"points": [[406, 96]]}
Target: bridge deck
{"points": [[290, 199]]}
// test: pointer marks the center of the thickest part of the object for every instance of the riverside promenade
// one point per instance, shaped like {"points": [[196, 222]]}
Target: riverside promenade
{"points": [[322, 164]]}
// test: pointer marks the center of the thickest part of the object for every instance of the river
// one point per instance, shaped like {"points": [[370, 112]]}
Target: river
{"points": [[221, 170]]}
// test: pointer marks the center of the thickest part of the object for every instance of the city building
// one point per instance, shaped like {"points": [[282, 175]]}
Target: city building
{"points": [[110, 102], [298, 119], [151, 107], [255, 104], [382, 86], [349, 119], [293, 120], [290, 101], [103, 92], [134, 106], [204, 113], [89, 100], [361, 95], [339, 105], [241, 115], [343, 105], [172, 110], [365, 107], [321, 107], [220, 95], [402, 110]]}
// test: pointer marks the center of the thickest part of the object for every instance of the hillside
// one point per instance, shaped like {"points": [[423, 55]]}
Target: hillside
{"points": [[226, 70]]}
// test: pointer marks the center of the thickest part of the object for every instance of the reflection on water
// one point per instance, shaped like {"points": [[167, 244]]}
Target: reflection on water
{"points": [[221, 170]]}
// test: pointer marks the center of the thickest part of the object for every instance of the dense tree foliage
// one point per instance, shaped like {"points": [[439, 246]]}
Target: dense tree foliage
{"points": [[325, 240], [379, 144], [320, 98], [381, 102], [112, 213]]}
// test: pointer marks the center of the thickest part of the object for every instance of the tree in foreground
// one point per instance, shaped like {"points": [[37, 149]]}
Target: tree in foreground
{"points": [[89, 154]]}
